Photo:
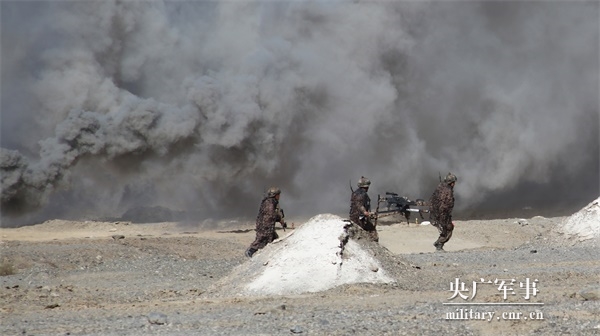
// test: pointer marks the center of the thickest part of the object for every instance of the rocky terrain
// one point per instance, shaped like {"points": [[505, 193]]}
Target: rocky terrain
{"points": [[119, 278]]}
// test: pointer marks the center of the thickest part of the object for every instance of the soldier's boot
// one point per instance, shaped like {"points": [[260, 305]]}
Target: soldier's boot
{"points": [[438, 246], [250, 252]]}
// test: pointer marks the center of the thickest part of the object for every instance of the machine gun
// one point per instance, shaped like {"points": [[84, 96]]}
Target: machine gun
{"points": [[400, 205]]}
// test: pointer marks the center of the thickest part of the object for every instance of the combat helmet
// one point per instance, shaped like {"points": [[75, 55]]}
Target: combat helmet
{"points": [[273, 191], [363, 182], [450, 178]]}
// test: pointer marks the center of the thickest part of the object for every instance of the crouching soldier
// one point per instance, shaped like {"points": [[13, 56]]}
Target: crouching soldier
{"points": [[360, 209], [268, 214]]}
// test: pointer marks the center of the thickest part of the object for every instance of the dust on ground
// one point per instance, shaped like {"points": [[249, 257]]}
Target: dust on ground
{"points": [[109, 277]]}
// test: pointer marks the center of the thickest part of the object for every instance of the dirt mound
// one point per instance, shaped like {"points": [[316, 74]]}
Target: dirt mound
{"points": [[585, 223], [323, 253]]}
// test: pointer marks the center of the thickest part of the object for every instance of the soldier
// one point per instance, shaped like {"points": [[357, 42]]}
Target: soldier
{"points": [[268, 214], [441, 205], [360, 209]]}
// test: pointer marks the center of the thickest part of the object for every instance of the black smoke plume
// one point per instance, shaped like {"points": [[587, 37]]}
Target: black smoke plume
{"points": [[200, 106]]}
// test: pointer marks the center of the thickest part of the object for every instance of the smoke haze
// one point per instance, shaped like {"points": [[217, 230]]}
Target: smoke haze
{"points": [[200, 106]]}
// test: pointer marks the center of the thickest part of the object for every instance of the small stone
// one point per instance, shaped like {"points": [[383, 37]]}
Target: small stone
{"points": [[590, 293], [157, 318], [296, 330]]}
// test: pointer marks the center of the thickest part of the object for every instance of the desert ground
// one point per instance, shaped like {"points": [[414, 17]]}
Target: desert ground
{"points": [[120, 278]]}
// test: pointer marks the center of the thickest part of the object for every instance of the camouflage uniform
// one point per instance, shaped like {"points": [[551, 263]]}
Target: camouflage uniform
{"points": [[268, 214], [441, 205], [360, 202]]}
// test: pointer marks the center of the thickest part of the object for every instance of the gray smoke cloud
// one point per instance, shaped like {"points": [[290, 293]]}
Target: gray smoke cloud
{"points": [[200, 106]]}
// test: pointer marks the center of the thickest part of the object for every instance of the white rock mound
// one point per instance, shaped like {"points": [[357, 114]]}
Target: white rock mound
{"points": [[585, 223], [309, 259]]}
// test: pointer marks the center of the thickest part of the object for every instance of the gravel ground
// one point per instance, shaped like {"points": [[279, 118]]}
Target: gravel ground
{"points": [[159, 285]]}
